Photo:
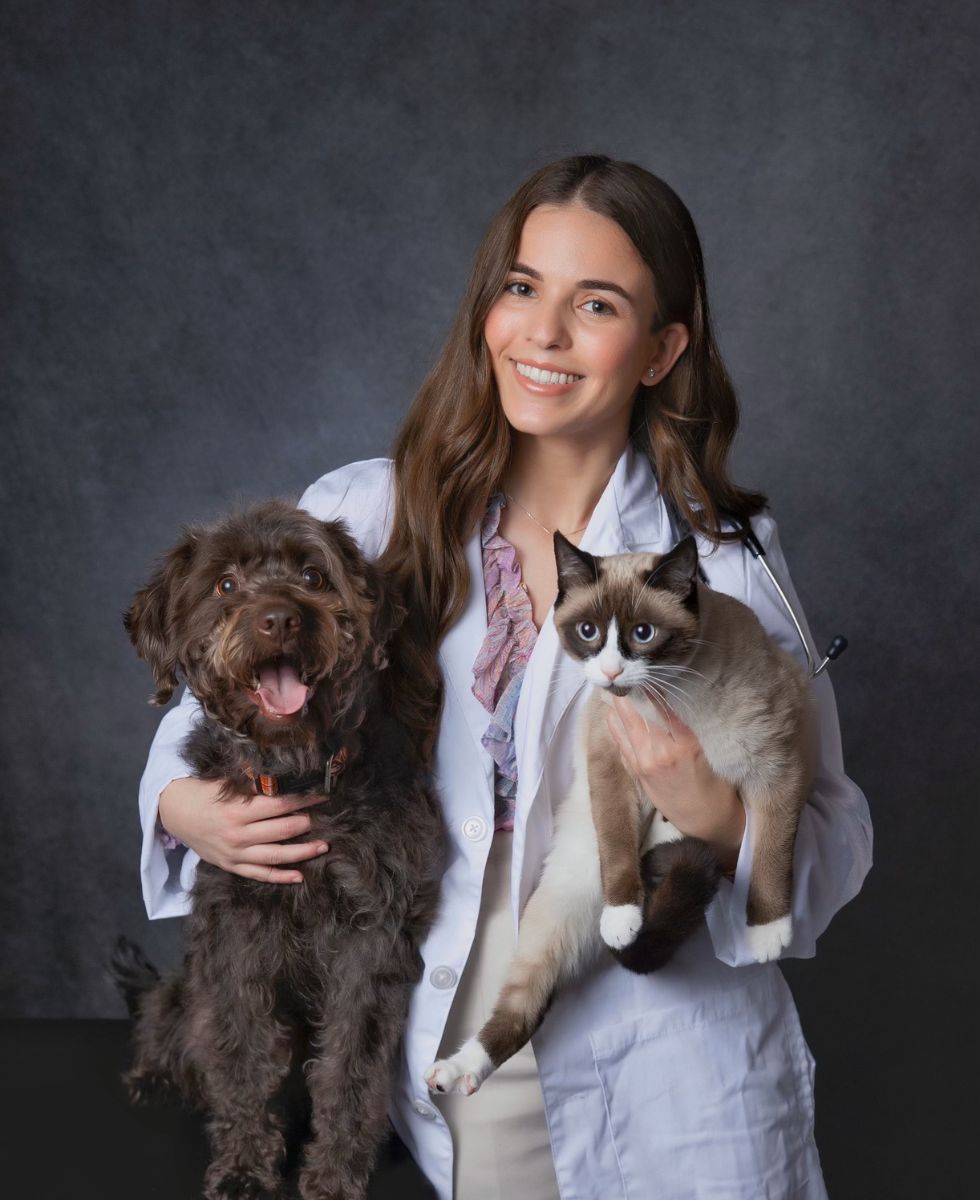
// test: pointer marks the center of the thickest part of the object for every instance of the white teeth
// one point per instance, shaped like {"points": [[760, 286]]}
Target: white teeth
{"points": [[538, 376]]}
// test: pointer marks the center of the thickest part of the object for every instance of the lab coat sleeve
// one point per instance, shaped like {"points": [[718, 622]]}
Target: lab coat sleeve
{"points": [[358, 494], [166, 875], [834, 840]]}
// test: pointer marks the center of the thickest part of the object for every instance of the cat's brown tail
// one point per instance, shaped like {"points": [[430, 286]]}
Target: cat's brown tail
{"points": [[679, 882]]}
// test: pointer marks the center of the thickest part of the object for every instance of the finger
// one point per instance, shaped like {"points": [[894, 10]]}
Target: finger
{"points": [[624, 709], [275, 829], [261, 808], [621, 738], [277, 855], [267, 874], [635, 727], [680, 733]]}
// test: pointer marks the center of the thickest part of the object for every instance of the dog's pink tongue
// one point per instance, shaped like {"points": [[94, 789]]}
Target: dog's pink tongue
{"points": [[280, 688]]}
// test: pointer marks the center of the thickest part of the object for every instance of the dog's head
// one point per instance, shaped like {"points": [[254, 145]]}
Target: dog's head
{"points": [[273, 617]]}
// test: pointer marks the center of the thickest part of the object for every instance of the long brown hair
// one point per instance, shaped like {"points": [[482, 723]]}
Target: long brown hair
{"points": [[454, 445]]}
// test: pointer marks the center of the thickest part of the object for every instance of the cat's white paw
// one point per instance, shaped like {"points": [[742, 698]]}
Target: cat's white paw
{"points": [[463, 1073], [768, 941], [619, 925], [445, 1076]]}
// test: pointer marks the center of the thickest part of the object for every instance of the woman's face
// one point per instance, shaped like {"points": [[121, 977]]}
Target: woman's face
{"points": [[578, 304]]}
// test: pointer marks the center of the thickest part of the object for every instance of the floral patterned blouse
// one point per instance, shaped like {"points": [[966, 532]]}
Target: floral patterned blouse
{"points": [[499, 668]]}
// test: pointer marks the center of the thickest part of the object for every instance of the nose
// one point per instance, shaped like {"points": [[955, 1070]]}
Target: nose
{"points": [[548, 329], [281, 622], [611, 675]]}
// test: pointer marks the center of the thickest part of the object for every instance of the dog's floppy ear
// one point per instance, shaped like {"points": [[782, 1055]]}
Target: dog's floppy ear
{"points": [[149, 620], [389, 613]]}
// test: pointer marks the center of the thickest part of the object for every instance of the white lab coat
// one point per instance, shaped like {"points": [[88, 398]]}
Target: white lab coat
{"points": [[694, 1083]]}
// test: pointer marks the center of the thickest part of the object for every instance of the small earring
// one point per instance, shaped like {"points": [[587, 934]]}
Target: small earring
{"points": [[651, 371]]}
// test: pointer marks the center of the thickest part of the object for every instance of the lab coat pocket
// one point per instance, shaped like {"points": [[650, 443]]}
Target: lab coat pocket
{"points": [[713, 1100]]}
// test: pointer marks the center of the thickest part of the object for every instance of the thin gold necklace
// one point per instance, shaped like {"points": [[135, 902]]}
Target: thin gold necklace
{"points": [[537, 522]]}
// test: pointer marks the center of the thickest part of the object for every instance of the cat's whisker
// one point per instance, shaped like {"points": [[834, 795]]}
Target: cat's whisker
{"points": [[677, 670], [651, 689], [677, 698], [672, 696]]}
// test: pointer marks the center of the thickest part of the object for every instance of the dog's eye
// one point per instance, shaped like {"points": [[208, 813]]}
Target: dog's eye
{"points": [[226, 585], [314, 579]]}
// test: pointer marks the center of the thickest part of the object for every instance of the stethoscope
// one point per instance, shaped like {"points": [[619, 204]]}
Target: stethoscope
{"points": [[680, 528]]}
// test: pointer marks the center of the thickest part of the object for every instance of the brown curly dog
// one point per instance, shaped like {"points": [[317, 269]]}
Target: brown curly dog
{"points": [[280, 626]]}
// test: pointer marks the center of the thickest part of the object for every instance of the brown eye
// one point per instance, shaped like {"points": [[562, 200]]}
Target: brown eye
{"points": [[643, 633], [314, 579], [226, 585]]}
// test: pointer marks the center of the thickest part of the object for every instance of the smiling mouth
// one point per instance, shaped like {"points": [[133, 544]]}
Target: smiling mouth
{"points": [[545, 378], [278, 688]]}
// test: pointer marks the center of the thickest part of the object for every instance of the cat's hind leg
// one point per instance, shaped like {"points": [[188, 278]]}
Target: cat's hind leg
{"points": [[680, 878], [775, 819]]}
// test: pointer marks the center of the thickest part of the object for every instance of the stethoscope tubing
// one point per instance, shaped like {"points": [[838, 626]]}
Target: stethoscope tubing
{"points": [[679, 529]]}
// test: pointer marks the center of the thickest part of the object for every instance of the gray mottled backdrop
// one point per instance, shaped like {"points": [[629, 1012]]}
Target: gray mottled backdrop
{"points": [[233, 238]]}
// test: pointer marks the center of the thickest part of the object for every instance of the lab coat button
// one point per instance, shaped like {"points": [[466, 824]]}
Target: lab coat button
{"points": [[475, 828], [443, 978], [425, 1110]]}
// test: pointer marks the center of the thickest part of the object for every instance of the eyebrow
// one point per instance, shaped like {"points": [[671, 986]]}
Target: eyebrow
{"points": [[602, 285]]}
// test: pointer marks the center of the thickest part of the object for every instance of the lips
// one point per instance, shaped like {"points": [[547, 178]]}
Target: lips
{"points": [[281, 692]]}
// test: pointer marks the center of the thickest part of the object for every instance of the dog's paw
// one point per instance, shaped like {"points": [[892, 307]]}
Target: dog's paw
{"points": [[619, 925], [142, 1086], [239, 1185], [768, 941], [463, 1073]]}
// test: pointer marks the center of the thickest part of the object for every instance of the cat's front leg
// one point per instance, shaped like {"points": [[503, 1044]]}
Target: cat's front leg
{"points": [[615, 807], [556, 937]]}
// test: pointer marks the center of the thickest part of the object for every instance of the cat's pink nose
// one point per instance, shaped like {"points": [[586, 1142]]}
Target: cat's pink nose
{"points": [[611, 675]]}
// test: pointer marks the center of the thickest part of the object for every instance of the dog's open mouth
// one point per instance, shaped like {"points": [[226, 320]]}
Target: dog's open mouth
{"points": [[279, 690]]}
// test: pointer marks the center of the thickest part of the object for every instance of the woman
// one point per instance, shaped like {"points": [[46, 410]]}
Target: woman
{"points": [[580, 388]]}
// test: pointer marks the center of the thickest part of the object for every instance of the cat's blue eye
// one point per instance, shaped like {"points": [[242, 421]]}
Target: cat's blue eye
{"points": [[643, 633], [587, 631]]}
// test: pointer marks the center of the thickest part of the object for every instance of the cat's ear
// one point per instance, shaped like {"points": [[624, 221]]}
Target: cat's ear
{"points": [[678, 569], [575, 567]]}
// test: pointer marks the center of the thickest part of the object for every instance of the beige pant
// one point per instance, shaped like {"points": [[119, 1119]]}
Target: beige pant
{"points": [[500, 1135]]}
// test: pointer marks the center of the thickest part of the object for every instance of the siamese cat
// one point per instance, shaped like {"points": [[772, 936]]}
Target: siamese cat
{"points": [[618, 873]]}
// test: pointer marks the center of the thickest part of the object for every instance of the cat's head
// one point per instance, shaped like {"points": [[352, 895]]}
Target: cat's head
{"points": [[630, 619]]}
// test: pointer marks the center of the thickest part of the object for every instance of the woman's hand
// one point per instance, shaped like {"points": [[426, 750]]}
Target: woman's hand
{"points": [[670, 766], [242, 835]]}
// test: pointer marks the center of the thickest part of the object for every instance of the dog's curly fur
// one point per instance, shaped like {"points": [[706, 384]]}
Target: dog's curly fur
{"points": [[324, 968]]}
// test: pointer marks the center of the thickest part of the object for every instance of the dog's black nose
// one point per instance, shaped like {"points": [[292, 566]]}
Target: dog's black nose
{"points": [[279, 622]]}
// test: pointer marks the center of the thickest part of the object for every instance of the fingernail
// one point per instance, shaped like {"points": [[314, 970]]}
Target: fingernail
{"points": [[322, 847]]}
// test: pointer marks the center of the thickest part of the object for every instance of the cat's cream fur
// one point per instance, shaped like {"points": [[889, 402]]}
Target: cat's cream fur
{"points": [[618, 873]]}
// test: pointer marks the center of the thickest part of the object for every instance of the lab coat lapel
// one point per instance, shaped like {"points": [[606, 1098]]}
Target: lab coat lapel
{"points": [[628, 517], [461, 645]]}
